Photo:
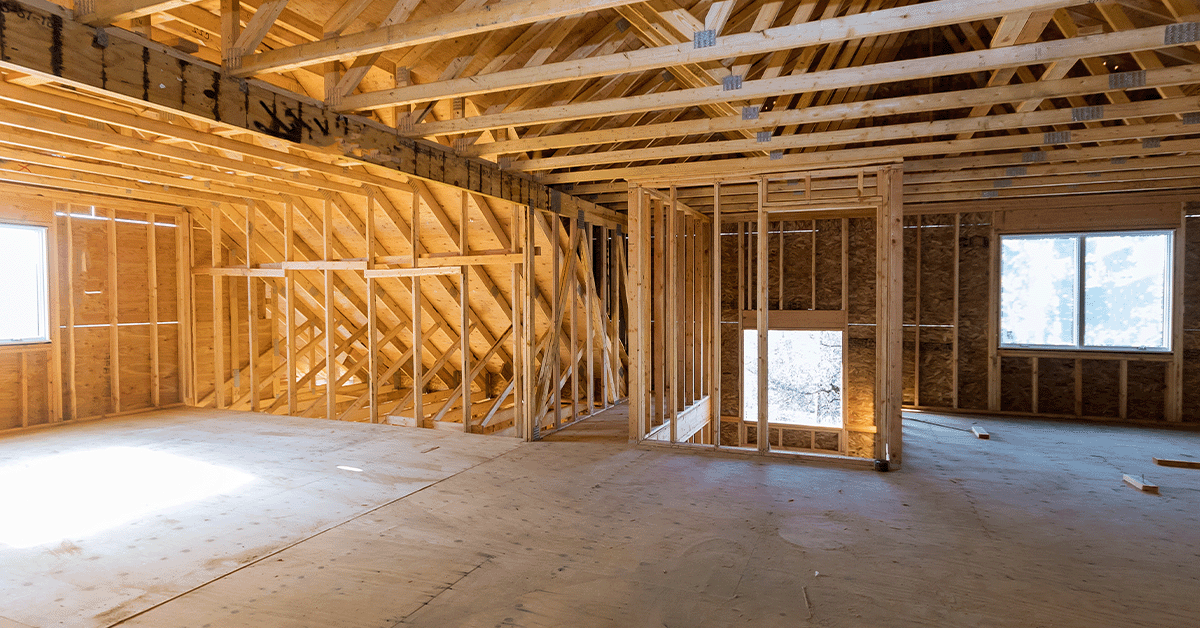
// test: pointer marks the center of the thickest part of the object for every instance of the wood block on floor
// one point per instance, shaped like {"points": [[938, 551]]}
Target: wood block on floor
{"points": [[1141, 485], [1182, 464]]}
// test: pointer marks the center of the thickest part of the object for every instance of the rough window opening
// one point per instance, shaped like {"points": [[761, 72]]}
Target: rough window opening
{"points": [[1086, 291], [804, 377], [24, 314]]}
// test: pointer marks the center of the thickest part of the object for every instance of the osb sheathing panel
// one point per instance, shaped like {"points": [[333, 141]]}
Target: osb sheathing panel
{"points": [[826, 441], [1016, 384], [36, 393], [729, 434], [911, 224], [861, 271], [859, 397], [168, 364], [134, 350], [92, 292], [750, 270], [1056, 386], [92, 371], [937, 269], [1147, 391], [133, 305], [860, 444], [1191, 273], [729, 277], [829, 265], [1191, 376], [797, 265], [909, 368], [1101, 388], [165, 239], [731, 394], [974, 279], [936, 374], [798, 439], [773, 267]]}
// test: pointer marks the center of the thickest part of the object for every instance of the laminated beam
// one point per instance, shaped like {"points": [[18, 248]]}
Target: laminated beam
{"points": [[120, 65]]}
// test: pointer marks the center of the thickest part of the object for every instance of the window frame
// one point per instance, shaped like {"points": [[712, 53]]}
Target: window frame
{"points": [[44, 295], [1170, 272]]}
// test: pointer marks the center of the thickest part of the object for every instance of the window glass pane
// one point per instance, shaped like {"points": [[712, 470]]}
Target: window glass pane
{"points": [[22, 283], [1039, 290], [804, 377], [1127, 283]]}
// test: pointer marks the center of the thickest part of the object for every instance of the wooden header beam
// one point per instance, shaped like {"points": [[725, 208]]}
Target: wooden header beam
{"points": [[41, 40]]}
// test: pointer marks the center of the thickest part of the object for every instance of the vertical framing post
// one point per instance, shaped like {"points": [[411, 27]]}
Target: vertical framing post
{"points": [[331, 371], [993, 317], [1174, 404], [588, 310], [464, 307], [114, 343], [252, 311], [72, 393], [185, 255], [418, 351], [464, 311], [518, 300], [555, 331], [889, 390], [761, 264], [530, 415], [670, 319], [218, 307], [152, 304], [372, 316], [290, 303], [638, 319], [573, 295], [715, 347]]}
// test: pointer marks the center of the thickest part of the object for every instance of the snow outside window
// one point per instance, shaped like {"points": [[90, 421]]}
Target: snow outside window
{"points": [[1086, 291], [23, 288], [804, 377]]}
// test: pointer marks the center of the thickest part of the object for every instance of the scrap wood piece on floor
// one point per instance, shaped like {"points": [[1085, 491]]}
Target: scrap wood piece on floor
{"points": [[980, 432], [1141, 485], [1182, 464]]}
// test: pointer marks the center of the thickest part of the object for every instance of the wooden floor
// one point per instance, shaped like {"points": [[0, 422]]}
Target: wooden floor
{"points": [[1033, 527]]}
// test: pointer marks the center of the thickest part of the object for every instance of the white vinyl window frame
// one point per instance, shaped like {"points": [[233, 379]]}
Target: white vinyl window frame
{"points": [[36, 263], [1079, 331]]}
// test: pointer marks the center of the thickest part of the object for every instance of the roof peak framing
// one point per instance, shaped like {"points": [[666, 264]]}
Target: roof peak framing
{"points": [[857, 26], [40, 39], [426, 31]]}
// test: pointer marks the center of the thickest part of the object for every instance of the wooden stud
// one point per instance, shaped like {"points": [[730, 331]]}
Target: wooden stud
{"points": [[72, 362], [114, 344], [762, 433], [715, 346]]}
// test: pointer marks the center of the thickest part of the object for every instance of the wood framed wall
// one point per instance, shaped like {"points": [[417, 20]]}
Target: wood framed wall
{"points": [[117, 289], [424, 307], [850, 268], [952, 358], [672, 333]]}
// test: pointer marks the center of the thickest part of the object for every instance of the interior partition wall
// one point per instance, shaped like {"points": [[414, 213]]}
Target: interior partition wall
{"points": [[813, 262]]}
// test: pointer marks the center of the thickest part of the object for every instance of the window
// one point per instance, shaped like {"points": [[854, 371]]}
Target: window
{"points": [[1086, 291], [804, 376], [23, 308]]}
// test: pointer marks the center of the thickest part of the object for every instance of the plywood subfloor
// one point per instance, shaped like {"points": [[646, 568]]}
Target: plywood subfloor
{"points": [[1033, 527], [296, 492]]}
